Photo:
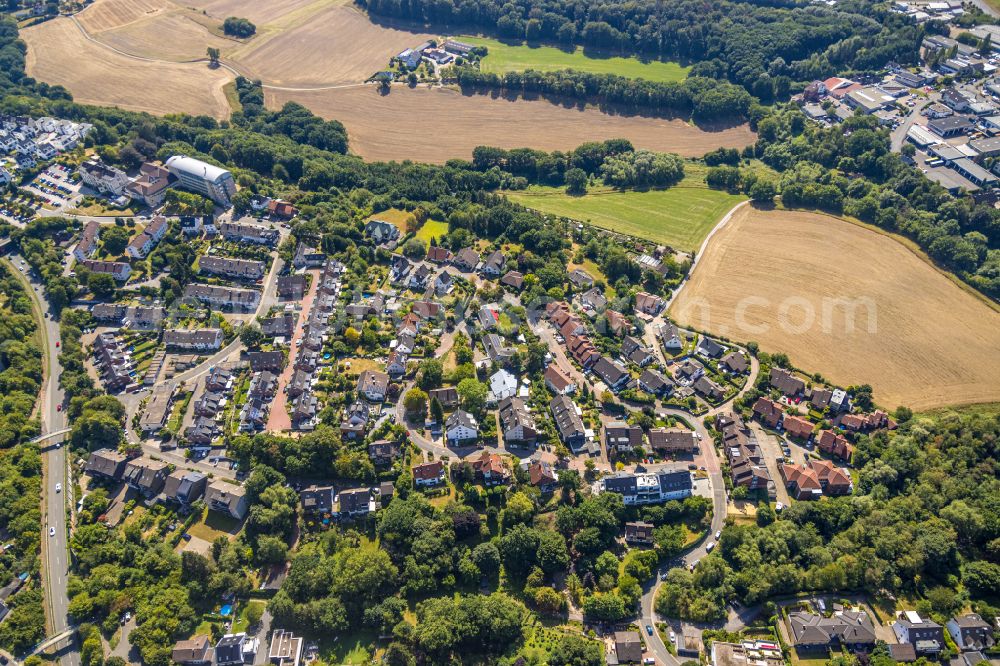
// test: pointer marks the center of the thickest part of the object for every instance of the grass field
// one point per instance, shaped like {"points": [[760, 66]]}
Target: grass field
{"points": [[504, 57], [442, 124], [680, 216], [432, 229], [853, 304]]}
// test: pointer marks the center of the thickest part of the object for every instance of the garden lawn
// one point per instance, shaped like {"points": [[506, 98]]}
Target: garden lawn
{"points": [[395, 217], [504, 57], [432, 229], [213, 525], [241, 624], [348, 650], [680, 216]]}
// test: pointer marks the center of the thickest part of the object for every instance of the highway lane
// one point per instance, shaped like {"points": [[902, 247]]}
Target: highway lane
{"points": [[57, 489]]}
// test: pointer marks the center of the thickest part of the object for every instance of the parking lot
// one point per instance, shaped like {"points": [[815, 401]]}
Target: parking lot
{"points": [[55, 187]]}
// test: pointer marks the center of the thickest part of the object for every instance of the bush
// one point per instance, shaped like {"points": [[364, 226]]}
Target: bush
{"points": [[238, 27]]}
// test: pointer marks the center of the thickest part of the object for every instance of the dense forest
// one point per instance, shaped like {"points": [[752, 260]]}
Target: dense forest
{"points": [[20, 462], [759, 45]]}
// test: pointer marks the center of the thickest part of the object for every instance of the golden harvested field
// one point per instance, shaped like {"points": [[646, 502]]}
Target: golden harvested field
{"points": [[173, 36], [58, 53], [781, 277], [260, 13], [110, 14], [436, 124], [338, 45]]}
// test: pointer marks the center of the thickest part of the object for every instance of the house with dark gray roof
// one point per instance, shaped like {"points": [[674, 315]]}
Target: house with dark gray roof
{"points": [[106, 464], [970, 632], [849, 629], [516, 421], [145, 475], [611, 373], [655, 382], [317, 499], [355, 502], [568, 422], [461, 428], [926, 635], [709, 348], [184, 486]]}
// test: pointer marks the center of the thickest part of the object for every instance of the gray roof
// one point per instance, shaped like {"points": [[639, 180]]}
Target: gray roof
{"points": [[847, 627]]}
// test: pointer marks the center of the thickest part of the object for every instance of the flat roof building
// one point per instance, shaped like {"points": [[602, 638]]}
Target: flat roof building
{"points": [[950, 126]]}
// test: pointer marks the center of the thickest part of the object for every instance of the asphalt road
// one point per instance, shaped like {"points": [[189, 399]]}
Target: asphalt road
{"points": [[55, 550], [898, 136]]}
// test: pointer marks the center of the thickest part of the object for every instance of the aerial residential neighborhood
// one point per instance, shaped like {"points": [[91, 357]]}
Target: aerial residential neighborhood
{"points": [[535, 333]]}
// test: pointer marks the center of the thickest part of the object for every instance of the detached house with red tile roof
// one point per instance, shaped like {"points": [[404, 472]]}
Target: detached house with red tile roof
{"points": [[834, 444], [558, 380], [648, 303], [768, 411], [796, 426], [819, 477], [429, 474]]}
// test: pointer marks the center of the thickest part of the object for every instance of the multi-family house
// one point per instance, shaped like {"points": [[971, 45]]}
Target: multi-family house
{"points": [[651, 488], [516, 422], [196, 339], [227, 499], [229, 298], [568, 422], [461, 428]]}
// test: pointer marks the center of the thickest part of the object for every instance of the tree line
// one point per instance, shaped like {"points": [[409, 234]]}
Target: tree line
{"points": [[704, 99], [20, 462]]}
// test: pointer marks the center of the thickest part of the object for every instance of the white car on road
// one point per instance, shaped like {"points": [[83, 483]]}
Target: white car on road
{"points": [[58, 487], [52, 531]]}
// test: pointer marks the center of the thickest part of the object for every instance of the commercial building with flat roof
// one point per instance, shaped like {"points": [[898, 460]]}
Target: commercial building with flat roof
{"points": [[950, 126], [974, 172]]}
